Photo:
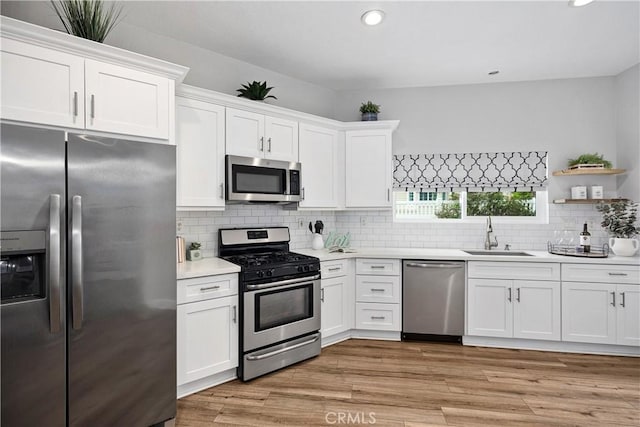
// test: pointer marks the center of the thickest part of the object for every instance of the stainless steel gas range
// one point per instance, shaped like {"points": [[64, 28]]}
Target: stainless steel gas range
{"points": [[279, 299]]}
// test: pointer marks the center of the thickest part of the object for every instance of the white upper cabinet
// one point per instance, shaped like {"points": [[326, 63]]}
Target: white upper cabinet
{"points": [[41, 85], [126, 101], [199, 154], [256, 135], [320, 169], [55, 79], [369, 170]]}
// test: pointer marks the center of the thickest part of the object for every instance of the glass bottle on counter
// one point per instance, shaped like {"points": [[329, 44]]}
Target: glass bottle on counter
{"points": [[585, 239]]}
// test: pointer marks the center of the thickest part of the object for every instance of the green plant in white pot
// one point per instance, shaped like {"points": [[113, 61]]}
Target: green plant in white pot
{"points": [[619, 219], [193, 253]]}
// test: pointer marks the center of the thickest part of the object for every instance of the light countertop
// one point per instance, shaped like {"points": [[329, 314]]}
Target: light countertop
{"points": [[205, 267], [214, 266]]}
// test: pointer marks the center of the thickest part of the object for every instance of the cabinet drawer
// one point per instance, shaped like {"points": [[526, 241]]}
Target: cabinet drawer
{"points": [[335, 268], [384, 289], [514, 270], [379, 317], [380, 267], [601, 273], [209, 287]]}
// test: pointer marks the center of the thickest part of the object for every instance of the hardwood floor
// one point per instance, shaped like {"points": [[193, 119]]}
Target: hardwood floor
{"points": [[382, 383]]}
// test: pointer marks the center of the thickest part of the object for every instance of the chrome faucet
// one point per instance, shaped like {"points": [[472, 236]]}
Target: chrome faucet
{"points": [[488, 244]]}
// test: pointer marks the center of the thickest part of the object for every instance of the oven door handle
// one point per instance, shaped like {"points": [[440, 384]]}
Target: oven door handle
{"points": [[282, 283], [282, 350]]}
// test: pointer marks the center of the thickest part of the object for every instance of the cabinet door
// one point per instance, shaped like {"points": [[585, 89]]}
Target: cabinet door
{"points": [[126, 101], [199, 154], [536, 310], [207, 338], [588, 312], [628, 312], [490, 308], [368, 170], [41, 85], [334, 317], [319, 159], [245, 133], [281, 139]]}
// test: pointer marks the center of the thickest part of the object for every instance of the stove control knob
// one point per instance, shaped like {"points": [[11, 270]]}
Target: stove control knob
{"points": [[306, 268], [260, 273], [269, 273], [300, 269]]}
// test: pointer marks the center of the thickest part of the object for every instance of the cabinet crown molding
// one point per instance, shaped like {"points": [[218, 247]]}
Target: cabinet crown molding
{"points": [[34, 34], [226, 100]]}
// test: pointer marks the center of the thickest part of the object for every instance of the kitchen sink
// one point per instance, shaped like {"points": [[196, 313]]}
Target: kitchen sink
{"points": [[498, 253]]}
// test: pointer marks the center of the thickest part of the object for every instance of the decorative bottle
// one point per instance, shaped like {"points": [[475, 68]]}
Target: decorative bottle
{"points": [[585, 239]]}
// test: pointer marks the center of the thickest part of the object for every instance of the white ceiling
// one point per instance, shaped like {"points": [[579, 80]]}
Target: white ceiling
{"points": [[420, 43]]}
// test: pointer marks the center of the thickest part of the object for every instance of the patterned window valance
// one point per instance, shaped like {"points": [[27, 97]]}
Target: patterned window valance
{"points": [[523, 171]]}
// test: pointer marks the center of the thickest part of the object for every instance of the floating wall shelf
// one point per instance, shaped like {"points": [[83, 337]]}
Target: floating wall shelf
{"points": [[585, 201], [603, 171]]}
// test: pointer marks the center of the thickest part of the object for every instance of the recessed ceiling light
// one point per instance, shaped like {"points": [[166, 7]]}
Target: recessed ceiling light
{"points": [[372, 17], [494, 72], [578, 3]]}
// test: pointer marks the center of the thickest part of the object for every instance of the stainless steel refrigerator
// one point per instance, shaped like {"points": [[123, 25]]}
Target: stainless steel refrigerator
{"points": [[88, 313]]}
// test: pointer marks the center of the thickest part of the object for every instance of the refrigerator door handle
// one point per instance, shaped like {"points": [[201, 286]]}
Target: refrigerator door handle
{"points": [[53, 265], [76, 262]]}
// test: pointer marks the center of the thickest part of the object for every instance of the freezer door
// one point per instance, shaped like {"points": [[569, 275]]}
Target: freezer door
{"points": [[122, 282], [32, 189]]}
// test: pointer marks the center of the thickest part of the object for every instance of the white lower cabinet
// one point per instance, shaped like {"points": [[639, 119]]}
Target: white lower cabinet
{"points": [[207, 330], [504, 308], [378, 293], [336, 295]]}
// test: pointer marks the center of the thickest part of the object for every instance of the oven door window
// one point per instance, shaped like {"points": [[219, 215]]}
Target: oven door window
{"points": [[22, 277], [280, 307], [261, 180]]}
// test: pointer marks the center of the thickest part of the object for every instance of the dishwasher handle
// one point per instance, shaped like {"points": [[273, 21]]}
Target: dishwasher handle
{"points": [[434, 265]]}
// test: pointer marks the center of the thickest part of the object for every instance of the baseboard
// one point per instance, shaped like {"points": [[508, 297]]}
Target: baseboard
{"points": [[336, 338], [555, 346], [206, 382], [375, 335]]}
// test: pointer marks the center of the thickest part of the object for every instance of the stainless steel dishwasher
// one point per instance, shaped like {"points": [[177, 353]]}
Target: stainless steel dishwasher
{"points": [[433, 300]]}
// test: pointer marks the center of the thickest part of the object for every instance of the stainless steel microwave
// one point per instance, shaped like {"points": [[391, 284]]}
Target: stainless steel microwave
{"points": [[252, 179]]}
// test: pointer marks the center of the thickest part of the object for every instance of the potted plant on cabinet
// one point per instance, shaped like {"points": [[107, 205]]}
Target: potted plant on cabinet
{"points": [[88, 19], [369, 111], [256, 91], [619, 219], [193, 253]]}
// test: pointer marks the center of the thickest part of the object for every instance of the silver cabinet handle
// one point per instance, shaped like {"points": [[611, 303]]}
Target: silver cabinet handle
{"points": [[334, 269], [377, 317], [76, 262], [53, 264], [269, 146], [222, 190], [208, 288], [617, 274], [262, 143], [282, 350], [377, 290], [613, 300], [302, 195], [93, 106], [388, 195], [322, 294], [622, 299], [75, 104], [234, 316], [518, 294], [376, 267], [509, 294]]}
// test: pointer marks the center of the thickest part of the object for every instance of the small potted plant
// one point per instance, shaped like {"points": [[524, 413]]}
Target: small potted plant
{"points": [[619, 219], [369, 111], [589, 161], [90, 20], [193, 253], [256, 91]]}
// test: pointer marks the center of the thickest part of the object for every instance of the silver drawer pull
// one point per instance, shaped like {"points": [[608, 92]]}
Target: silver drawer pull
{"points": [[334, 269], [377, 290], [209, 288], [617, 274], [377, 266], [378, 317]]}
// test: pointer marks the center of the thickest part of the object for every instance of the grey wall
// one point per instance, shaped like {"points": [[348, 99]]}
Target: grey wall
{"points": [[627, 102], [565, 117], [209, 70]]}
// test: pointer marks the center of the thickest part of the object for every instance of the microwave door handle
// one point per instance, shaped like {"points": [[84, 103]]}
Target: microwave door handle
{"points": [[53, 264]]}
